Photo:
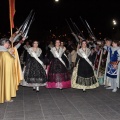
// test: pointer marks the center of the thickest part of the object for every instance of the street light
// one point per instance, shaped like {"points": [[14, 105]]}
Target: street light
{"points": [[56, 0], [114, 22]]}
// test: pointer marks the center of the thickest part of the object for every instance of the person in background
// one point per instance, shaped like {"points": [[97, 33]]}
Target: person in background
{"points": [[73, 55], [106, 56], [113, 67]]}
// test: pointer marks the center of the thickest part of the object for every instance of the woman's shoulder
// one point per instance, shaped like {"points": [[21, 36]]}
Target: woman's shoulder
{"points": [[52, 49], [31, 48]]}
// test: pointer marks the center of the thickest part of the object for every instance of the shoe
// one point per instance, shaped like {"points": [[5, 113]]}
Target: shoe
{"points": [[109, 88], [34, 88], [114, 90], [44, 84], [37, 89], [84, 90]]}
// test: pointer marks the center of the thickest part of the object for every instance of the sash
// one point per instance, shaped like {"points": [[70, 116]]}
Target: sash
{"points": [[90, 63], [57, 55], [64, 53], [66, 56], [33, 54], [86, 58]]}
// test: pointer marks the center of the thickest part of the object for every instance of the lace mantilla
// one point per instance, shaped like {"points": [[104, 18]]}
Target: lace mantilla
{"points": [[38, 51]]}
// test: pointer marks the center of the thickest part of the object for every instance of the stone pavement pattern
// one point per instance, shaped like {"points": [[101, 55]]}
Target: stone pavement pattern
{"points": [[66, 104]]}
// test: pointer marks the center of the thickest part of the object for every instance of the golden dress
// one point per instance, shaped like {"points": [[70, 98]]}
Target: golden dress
{"points": [[7, 77], [18, 70]]}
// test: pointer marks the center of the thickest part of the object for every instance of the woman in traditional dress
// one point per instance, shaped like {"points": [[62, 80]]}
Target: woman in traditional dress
{"points": [[35, 74], [58, 76], [83, 76], [113, 67]]}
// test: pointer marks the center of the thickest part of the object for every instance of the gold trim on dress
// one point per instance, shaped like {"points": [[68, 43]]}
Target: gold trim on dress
{"points": [[78, 86]]}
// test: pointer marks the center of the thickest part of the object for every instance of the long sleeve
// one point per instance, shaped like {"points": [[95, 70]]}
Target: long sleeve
{"points": [[18, 45], [16, 37], [107, 48], [75, 36], [119, 55]]}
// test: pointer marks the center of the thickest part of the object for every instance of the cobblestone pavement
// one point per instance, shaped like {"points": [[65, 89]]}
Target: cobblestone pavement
{"points": [[66, 104]]}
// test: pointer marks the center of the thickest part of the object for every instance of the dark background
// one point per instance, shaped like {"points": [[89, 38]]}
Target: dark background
{"points": [[51, 16]]}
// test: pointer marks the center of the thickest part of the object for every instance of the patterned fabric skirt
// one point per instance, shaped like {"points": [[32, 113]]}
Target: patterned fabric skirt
{"points": [[58, 76], [80, 82], [34, 74]]}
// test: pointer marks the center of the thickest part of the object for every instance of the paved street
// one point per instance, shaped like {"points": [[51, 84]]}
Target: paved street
{"points": [[67, 104]]}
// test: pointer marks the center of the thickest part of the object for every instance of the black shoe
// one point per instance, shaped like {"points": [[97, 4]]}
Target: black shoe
{"points": [[33, 89], [37, 91]]}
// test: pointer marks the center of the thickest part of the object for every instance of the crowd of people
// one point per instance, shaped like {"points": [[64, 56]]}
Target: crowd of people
{"points": [[84, 64]]}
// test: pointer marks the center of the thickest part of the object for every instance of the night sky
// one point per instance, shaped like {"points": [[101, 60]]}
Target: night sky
{"points": [[51, 16]]}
